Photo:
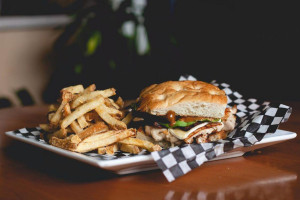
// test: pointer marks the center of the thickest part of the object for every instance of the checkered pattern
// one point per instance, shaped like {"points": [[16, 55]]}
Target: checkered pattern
{"points": [[254, 120], [34, 135]]}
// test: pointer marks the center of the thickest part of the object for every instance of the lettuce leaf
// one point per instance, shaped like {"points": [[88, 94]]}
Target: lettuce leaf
{"points": [[179, 123]]}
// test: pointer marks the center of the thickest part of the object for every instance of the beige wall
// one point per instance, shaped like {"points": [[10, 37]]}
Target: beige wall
{"points": [[23, 61]]}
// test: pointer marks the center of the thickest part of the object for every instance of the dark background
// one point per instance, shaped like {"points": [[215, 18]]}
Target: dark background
{"points": [[252, 45]]}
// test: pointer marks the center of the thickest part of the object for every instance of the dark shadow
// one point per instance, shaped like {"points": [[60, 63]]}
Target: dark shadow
{"points": [[54, 165], [5, 102]]}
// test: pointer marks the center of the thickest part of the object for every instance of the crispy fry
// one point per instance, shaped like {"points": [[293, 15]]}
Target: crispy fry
{"points": [[45, 127], [91, 95], [50, 115], [62, 133], [113, 111], [69, 130], [101, 150], [101, 135], [141, 143], [82, 122], [111, 149], [113, 123], [92, 104], [74, 125], [66, 96], [96, 128], [127, 119], [111, 104], [120, 102], [130, 148], [91, 116], [89, 89], [69, 143], [73, 89], [52, 107], [54, 120], [103, 139]]}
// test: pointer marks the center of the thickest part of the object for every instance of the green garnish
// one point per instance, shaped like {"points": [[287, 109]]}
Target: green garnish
{"points": [[134, 106], [179, 123], [207, 120]]}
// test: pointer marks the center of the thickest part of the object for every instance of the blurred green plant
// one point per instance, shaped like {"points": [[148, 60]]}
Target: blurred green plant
{"points": [[106, 39], [93, 42], [116, 22]]}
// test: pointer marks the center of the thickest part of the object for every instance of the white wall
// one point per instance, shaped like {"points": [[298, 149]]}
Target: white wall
{"points": [[25, 44]]}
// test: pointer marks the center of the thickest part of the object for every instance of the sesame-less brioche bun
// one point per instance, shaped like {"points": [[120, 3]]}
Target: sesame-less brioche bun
{"points": [[185, 98]]}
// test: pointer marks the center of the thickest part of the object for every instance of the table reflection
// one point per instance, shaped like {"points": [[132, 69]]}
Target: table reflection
{"points": [[264, 182]]}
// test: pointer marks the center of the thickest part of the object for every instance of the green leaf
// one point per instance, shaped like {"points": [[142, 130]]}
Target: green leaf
{"points": [[93, 42], [134, 106], [179, 123], [183, 124]]}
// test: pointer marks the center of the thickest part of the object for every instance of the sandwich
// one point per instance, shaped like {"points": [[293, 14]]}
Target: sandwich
{"points": [[176, 112]]}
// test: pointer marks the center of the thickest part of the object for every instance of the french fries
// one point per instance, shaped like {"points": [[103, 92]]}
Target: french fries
{"points": [[73, 89], [101, 150], [74, 125], [92, 116], [141, 143], [88, 96], [90, 88], [114, 123], [110, 103], [112, 111], [54, 119], [82, 122], [69, 143], [120, 102], [81, 110], [111, 149], [52, 108], [88, 120], [45, 127], [127, 119], [103, 139], [96, 128], [130, 148]]}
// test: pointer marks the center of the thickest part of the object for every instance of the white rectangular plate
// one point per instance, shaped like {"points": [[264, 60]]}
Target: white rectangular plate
{"points": [[125, 163]]}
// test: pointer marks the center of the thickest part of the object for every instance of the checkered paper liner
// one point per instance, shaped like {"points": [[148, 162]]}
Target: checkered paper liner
{"points": [[254, 120], [33, 134]]}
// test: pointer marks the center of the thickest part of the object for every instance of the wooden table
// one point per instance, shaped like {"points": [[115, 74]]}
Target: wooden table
{"points": [[27, 172]]}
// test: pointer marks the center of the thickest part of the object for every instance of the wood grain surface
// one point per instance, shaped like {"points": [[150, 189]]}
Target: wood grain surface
{"points": [[27, 172]]}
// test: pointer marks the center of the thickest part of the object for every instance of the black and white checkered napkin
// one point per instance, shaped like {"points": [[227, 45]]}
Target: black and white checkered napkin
{"points": [[254, 120]]}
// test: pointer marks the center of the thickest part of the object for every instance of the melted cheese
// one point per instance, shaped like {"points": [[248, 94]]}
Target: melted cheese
{"points": [[180, 134]]}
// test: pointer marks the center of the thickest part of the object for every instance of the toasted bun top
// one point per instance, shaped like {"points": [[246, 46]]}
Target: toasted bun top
{"points": [[185, 98]]}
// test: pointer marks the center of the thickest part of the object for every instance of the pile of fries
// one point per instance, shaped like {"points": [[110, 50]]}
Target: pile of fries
{"points": [[89, 120]]}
